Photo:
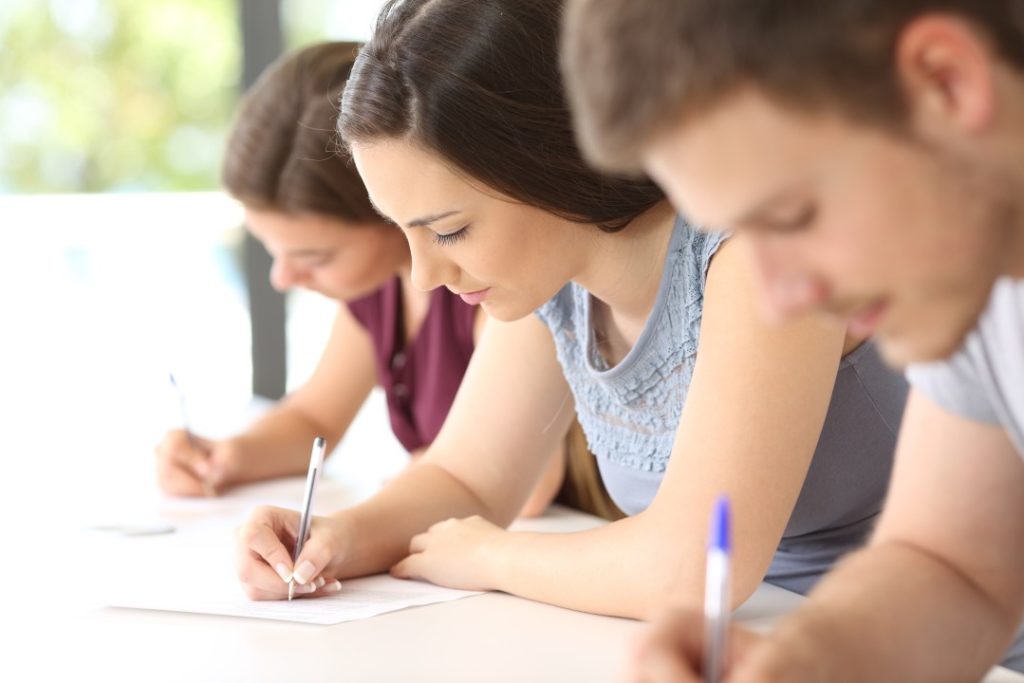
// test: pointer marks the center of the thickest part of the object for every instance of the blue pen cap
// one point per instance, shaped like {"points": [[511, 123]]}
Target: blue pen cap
{"points": [[719, 536]]}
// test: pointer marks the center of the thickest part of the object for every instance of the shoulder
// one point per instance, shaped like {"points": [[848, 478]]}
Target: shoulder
{"points": [[955, 384], [693, 249], [560, 310], [962, 383]]}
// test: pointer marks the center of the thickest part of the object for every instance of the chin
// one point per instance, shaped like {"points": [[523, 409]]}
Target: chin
{"points": [[899, 353], [925, 345], [505, 314]]}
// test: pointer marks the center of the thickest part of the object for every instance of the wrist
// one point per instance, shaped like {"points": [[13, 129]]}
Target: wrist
{"points": [[495, 557], [342, 532], [229, 463]]}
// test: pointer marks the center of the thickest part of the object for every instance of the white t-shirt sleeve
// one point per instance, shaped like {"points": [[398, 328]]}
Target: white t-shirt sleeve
{"points": [[955, 384]]}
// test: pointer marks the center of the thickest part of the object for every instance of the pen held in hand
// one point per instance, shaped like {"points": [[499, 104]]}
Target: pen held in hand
{"points": [[716, 593], [208, 489], [316, 464]]}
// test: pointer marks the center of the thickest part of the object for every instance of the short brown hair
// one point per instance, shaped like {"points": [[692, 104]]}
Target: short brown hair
{"points": [[634, 67], [282, 154], [478, 82]]}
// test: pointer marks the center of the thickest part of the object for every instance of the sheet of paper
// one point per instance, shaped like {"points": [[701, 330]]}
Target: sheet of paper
{"points": [[358, 599], [195, 572], [192, 568]]}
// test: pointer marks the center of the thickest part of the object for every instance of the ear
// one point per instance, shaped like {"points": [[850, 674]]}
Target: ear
{"points": [[946, 68]]}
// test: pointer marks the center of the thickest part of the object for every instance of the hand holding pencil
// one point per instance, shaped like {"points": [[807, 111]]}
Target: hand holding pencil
{"points": [[190, 465]]}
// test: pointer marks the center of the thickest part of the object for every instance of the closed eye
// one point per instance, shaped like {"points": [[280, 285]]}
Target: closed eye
{"points": [[450, 238]]}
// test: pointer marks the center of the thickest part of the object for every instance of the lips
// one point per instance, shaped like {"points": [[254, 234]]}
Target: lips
{"points": [[865, 322], [474, 298]]}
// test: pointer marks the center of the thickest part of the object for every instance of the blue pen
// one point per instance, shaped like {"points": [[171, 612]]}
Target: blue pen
{"points": [[716, 593]]}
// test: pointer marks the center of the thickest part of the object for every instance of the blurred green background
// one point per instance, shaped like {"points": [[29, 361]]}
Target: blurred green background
{"points": [[120, 258], [130, 95]]}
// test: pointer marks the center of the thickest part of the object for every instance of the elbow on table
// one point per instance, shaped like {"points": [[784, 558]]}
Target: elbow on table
{"points": [[684, 588]]}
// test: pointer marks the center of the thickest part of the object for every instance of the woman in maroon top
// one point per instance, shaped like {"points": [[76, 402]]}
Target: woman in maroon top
{"points": [[309, 208]]}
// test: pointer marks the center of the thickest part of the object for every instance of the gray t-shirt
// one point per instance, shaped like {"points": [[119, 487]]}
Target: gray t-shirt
{"points": [[630, 413], [984, 380]]}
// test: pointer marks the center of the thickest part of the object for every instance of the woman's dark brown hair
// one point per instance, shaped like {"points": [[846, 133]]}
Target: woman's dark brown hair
{"points": [[283, 154], [477, 82]]}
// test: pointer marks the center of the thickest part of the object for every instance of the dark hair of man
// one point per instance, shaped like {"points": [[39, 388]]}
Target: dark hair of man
{"points": [[634, 68]]}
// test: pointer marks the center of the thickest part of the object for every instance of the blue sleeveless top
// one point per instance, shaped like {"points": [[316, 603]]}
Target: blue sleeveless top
{"points": [[630, 413]]}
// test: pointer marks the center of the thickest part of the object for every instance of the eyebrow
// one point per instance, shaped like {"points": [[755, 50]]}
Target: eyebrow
{"points": [[306, 253], [427, 220], [420, 222]]}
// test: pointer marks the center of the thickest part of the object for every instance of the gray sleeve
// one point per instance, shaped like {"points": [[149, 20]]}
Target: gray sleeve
{"points": [[955, 385], [707, 245]]}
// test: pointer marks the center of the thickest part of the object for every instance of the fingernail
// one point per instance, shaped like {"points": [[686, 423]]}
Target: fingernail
{"points": [[304, 572], [307, 588], [283, 572], [320, 581], [332, 587]]}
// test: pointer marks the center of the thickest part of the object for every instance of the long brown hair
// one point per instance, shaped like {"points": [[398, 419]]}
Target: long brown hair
{"points": [[477, 81], [283, 154]]}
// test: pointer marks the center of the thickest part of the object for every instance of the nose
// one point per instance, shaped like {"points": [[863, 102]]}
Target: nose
{"points": [[283, 276], [430, 269], [788, 289]]}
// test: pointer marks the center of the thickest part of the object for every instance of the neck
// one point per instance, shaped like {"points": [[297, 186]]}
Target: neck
{"points": [[1010, 148], [624, 269], [1015, 252]]}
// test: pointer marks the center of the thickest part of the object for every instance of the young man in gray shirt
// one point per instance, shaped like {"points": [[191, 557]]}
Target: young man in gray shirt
{"points": [[870, 153]]}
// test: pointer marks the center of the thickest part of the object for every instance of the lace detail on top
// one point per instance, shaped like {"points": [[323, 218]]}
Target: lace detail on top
{"points": [[630, 412]]}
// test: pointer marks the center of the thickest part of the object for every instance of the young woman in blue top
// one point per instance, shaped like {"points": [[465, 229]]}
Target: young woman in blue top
{"points": [[456, 120]]}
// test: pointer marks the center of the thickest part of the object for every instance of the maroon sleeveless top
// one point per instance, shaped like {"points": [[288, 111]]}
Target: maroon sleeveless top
{"points": [[419, 380]]}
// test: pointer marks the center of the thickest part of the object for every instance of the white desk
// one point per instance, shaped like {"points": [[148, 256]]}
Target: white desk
{"points": [[492, 637]]}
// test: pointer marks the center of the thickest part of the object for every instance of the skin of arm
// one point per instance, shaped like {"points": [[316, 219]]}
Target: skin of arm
{"points": [[512, 409], [938, 594], [551, 478], [278, 444], [749, 428]]}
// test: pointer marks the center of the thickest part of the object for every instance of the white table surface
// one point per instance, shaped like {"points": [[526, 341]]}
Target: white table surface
{"points": [[67, 633], [57, 628]]}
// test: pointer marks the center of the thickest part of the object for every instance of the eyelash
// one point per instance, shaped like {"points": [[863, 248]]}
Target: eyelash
{"points": [[321, 261], [801, 221], [450, 238]]}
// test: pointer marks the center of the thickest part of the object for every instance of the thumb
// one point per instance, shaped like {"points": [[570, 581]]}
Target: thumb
{"points": [[318, 552], [225, 462], [192, 452]]}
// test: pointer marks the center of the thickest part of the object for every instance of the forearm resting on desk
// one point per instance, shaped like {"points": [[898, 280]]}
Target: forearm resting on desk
{"points": [[629, 568], [891, 612], [381, 528], [365, 539]]}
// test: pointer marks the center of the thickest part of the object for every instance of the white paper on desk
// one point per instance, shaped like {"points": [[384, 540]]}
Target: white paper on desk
{"points": [[196, 573], [358, 599]]}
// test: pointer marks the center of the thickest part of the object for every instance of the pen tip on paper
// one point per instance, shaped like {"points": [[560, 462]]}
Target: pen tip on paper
{"points": [[291, 590]]}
